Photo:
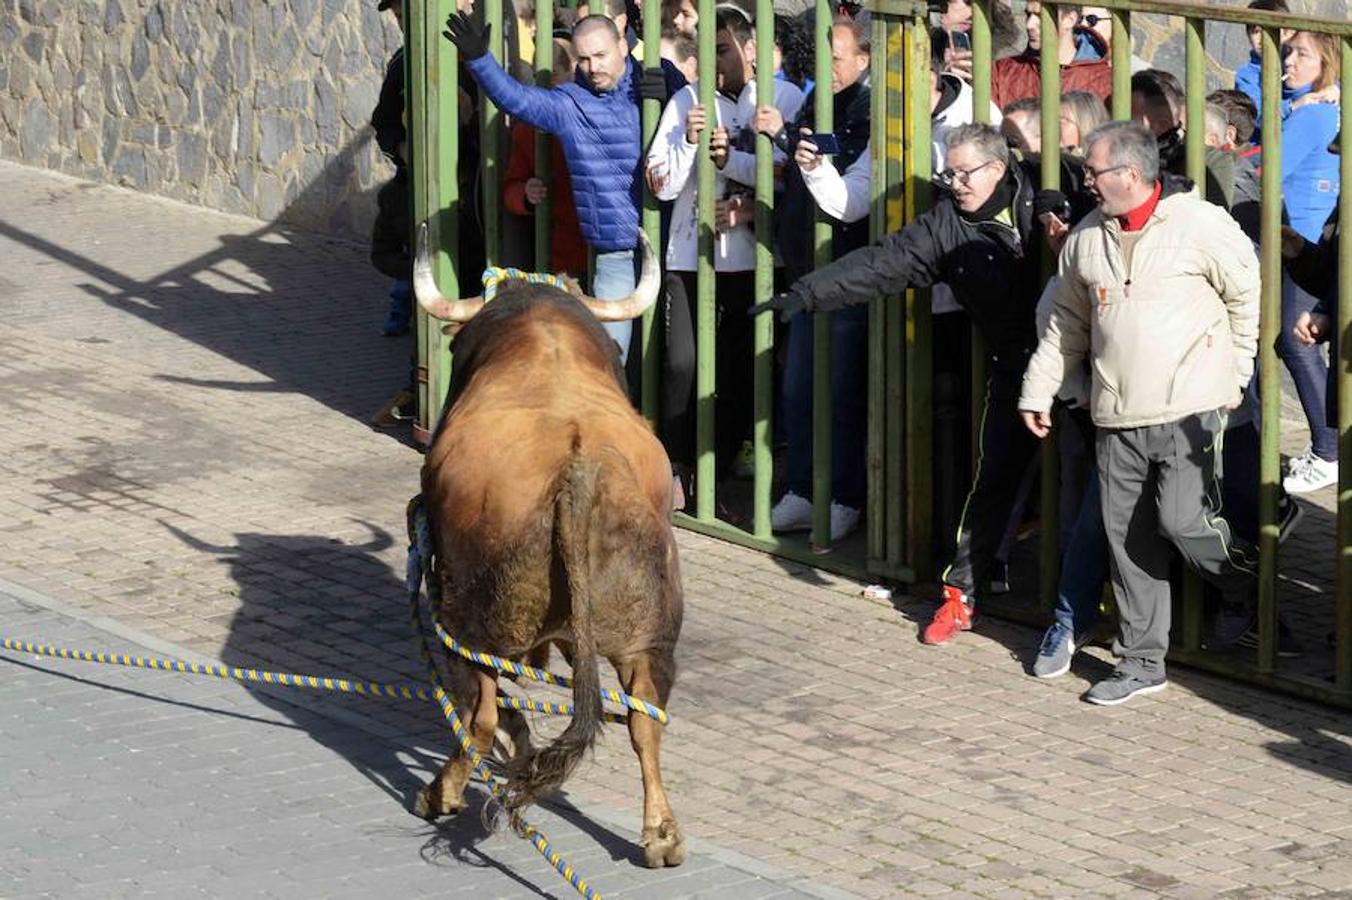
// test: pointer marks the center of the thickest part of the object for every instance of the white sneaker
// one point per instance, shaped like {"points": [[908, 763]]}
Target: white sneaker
{"points": [[791, 513], [1306, 475], [844, 519]]}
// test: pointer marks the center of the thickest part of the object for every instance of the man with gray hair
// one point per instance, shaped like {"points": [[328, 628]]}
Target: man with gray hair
{"points": [[1159, 291], [983, 239]]}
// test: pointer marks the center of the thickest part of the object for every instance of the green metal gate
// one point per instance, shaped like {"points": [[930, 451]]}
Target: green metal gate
{"points": [[899, 512]]}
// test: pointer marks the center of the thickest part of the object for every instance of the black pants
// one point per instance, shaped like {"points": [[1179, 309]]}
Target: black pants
{"points": [[734, 368], [1007, 448]]}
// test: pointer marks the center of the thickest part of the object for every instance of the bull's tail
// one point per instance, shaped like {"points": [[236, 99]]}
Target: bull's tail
{"points": [[544, 770]]}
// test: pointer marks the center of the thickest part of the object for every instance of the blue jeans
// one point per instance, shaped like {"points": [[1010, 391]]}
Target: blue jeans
{"points": [[1308, 370], [849, 404], [616, 279], [1084, 566]]}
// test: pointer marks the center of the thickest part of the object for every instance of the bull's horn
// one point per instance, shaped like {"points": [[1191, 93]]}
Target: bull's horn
{"points": [[644, 295], [429, 297]]}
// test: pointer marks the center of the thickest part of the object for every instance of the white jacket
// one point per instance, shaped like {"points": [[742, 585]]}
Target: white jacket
{"points": [[673, 158], [842, 197], [1172, 336]]}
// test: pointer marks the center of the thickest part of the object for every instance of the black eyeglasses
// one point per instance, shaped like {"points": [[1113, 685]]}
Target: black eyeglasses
{"points": [[950, 177], [1092, 175], [1092, 20]]}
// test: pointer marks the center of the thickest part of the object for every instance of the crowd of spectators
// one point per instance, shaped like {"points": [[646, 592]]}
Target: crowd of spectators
{"points": [[1138, 355]]}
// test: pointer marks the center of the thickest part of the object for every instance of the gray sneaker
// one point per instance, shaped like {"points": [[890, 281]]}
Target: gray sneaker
{"points": [[1121, 686], [1057, 650]]}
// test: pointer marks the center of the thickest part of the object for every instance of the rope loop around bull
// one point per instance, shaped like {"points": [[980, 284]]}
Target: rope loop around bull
{"points": [[506, 665]]}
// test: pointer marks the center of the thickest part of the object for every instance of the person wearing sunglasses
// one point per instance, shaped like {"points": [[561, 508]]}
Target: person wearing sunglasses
{"points": [[1017, 77], [1158, 290], [984, 238]]}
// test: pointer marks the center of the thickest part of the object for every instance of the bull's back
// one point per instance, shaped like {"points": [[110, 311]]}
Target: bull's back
{"points": [[493, 474]]}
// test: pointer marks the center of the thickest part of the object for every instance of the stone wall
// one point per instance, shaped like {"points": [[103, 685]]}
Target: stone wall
{"points": [[258, 107]]}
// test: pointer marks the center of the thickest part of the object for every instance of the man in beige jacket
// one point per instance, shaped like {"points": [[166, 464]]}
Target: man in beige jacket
{"points": [[1159, 291]]}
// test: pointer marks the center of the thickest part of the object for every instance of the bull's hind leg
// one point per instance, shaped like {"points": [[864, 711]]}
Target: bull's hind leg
{"points": [[649, 676], [446, 794]]}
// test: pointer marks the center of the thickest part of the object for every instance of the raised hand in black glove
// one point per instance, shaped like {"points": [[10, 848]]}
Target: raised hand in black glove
{"points": [[652, 85], [789, 305], [469, 37], [1053, 202]]}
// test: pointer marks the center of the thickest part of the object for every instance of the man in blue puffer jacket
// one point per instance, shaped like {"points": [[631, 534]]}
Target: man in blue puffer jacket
{"points": [[596, 119]]}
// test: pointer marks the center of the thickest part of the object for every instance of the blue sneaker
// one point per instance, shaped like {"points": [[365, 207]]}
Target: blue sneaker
{"points": [[401, 310], [1057, 650]]}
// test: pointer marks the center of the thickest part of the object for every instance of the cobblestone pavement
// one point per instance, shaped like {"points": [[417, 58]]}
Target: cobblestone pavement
{"points": [[185, 455], [197, 787]]}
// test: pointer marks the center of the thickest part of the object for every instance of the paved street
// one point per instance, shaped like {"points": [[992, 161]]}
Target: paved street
{"points": [[185, 468]]}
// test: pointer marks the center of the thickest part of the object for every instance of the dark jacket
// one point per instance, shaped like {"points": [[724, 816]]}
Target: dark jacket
{"points": [[388, 117], [1316, 269], [601, 141], [795, 214], [995, 270], [389, 231]]}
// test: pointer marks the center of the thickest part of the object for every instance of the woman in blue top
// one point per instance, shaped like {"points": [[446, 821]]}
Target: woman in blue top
{"points": [[1310, 192]]}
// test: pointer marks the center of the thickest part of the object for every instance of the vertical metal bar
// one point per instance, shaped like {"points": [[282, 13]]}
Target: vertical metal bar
{"points": [[876, 518], [1121, 64], [896, 356], [919, 324], [1343, 667], [981, 112], [1049, 557], [444, 141], [822, 413], [1269, 375], [490, 169], [417, 76], [704, 277], [763, 349], [544, 77], [648, 335], [1195, 33]]}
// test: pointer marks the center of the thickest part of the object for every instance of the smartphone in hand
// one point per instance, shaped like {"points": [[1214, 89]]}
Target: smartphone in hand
{"points": [[960, 40], [827, 144]]}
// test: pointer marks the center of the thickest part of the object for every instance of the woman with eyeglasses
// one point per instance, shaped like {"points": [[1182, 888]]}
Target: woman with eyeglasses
{"points": [[1310, 186]]}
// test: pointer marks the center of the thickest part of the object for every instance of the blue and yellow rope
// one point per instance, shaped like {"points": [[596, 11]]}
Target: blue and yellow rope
{"points": [[285, 679]]}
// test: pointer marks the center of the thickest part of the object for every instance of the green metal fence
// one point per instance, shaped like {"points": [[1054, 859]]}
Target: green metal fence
{"points": [[898, 537]]}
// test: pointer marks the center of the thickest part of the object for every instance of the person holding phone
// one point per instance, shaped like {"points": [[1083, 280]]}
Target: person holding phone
{"points": [[671, 171], [850, 54]]}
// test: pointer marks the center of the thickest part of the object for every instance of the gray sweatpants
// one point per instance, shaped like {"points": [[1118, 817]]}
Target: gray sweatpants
{"points": [[1161, 491]]}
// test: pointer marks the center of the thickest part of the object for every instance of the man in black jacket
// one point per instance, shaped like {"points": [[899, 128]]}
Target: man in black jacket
{"points": [[983, 238]]}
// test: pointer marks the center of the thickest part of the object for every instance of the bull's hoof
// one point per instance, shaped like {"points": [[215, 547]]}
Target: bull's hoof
{"points": [[426, 806], [663, 845]]}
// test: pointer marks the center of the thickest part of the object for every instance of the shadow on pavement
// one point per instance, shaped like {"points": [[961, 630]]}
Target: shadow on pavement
{"points": [[262, 303], [315, 605]]}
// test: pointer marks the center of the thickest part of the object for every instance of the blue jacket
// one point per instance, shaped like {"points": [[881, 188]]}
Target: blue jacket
{"points": [[1249, 79], [601, 139], [1310, 179]]}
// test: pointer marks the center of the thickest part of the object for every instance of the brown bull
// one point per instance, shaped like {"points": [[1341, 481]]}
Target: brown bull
{"points": [[548, 498]]}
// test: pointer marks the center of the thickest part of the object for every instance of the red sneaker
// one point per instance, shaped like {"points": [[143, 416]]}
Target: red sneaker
{"points": [[952, 616]]}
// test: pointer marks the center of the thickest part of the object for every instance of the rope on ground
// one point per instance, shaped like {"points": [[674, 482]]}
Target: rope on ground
{"points": [[396, 691]]}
